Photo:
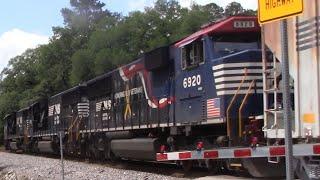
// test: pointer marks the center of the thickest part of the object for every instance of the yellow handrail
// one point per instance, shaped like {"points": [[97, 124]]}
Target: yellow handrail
{"points": [[78, 129], [73, 123], [70, 136], [25, 135], [232, 101], [242, 105]]}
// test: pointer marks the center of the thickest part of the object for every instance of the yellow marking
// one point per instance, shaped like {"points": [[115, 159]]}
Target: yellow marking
{"points": [[309, 118], [271, 10], [127, 112]]}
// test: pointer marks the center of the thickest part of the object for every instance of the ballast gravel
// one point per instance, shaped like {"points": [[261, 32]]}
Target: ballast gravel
{"points": [[27, 167]]}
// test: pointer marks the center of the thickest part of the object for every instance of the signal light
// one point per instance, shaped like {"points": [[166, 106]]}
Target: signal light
{"points": [[199, 146], [254, 141]]}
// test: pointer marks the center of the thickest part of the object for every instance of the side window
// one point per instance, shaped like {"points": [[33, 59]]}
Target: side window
{"points": [[192, 55]]}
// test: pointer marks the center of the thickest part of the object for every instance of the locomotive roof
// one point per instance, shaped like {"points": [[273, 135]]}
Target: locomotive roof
{"points": [[23, 109], [224, 26], [75, 88], [92, 81], [41, 100], [8, 115], [100, 77]]}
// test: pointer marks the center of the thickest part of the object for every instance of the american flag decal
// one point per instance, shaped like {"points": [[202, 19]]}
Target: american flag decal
{"points": [[213, 108]]}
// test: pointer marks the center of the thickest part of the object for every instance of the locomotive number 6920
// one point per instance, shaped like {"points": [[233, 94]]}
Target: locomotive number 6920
{"points": [[192, 81]]}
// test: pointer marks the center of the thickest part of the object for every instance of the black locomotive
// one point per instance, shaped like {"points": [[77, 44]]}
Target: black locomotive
{"points": [[172, 98]]}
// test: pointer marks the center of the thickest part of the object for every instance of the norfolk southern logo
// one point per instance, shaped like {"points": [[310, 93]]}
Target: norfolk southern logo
{"points": [[127, 111], [133, 91]]}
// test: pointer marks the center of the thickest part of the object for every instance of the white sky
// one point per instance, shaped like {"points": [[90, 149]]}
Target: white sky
{"points": [[16, 41]]}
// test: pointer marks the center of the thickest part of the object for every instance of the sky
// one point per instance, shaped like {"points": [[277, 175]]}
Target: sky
{"points": [[27, 24]]}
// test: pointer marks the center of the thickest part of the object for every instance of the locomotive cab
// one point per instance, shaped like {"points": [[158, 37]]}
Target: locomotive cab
{"points": [[232, 90]]}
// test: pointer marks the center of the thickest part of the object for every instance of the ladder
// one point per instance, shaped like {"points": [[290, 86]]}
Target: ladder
{"points": [[271, 87]]}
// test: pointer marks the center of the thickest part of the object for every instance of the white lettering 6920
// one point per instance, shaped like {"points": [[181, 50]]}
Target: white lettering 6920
{"points": [[192, 81]]}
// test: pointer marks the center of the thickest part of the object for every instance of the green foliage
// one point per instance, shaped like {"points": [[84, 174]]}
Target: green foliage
{"points": [[82, 66], [235, 8], [94, 41]]}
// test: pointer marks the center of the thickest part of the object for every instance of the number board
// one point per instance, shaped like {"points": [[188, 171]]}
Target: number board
{"points": [[192, 81]]}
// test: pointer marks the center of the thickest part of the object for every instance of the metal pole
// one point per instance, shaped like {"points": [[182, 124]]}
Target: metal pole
{"points": [[61, 154], [264, 68], [286, 100]]}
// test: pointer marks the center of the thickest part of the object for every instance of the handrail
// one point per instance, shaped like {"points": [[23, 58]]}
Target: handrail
{"points": [[242, 105], [232, 101], [70, 136], [25, 135], [78, 128], [73, 123]]}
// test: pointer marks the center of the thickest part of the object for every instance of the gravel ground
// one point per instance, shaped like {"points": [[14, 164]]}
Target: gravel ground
{"points": [[25, 167]]}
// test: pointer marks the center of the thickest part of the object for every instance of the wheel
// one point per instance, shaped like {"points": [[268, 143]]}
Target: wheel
{"points": [[113, 157], [187, 165], [214, 166], [94, 153], [83, 148], [261, 168]]}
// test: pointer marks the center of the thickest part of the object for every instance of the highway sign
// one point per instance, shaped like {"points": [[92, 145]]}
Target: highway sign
{"points": [[271, 10]]}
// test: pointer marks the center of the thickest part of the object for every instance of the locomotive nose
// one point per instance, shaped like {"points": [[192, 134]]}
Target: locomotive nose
{"points": [[237, 82]]}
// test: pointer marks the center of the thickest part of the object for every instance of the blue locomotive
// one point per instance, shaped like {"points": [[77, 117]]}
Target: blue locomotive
{"points": [[202, 91]]}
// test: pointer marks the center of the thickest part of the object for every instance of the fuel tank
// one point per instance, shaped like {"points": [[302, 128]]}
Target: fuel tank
{"points": [[139, 148], [46, 146]]}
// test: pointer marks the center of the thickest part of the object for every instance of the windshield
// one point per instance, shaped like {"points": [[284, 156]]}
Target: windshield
{"points": [[226, 48], [226, 44]]}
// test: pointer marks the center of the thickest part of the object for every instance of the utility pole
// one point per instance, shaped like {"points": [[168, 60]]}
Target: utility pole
{"points": [[286, 100], [61, 154]]}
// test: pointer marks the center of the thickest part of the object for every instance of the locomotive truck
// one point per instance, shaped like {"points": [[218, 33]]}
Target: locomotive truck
{"points": [[211, 99]]}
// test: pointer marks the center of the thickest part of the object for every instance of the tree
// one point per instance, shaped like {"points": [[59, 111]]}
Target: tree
{"points": [[55, 63], [250, 12], [82, 66], [84, 15], [233, 9], [198, 16], [103, 62]]}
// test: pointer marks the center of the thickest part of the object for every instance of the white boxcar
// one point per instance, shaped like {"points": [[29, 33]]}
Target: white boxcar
{"points": [[304, 62]]}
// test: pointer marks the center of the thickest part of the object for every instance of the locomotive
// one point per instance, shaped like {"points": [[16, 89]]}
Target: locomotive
{"points": [[204, 91]]}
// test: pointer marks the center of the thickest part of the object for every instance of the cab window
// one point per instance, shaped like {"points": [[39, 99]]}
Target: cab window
{"points": [[192, 55], [228, 44]]}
